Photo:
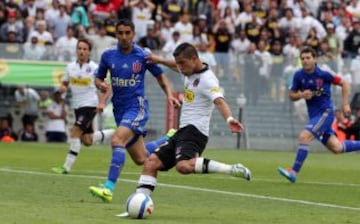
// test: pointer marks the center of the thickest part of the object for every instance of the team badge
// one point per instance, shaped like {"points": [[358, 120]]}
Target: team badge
{"points": [[196, 82], [88, 70], [136, 66]]}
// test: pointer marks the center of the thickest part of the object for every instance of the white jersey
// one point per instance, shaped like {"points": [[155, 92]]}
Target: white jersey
{"points": [[199, 94], [82, 84]]}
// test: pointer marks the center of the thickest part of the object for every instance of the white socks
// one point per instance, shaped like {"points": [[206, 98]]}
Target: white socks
{"points": [[75, 146], [146, 184], [203, 165], [101, 136]]}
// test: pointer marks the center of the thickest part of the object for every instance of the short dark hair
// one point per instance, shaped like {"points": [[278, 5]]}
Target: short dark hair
{"points": [[186, 49], [308, 49], [126, 22], [86, 41]]}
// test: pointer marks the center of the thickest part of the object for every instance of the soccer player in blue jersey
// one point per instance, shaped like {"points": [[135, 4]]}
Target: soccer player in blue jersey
{"points": [[314, 85], [127, 65]]}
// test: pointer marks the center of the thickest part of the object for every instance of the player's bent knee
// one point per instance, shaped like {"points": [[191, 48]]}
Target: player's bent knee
{"points": [[86, 140], [183, 167], [139, 161]]}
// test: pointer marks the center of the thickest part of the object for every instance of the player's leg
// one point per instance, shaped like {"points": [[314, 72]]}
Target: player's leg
{"points": [[120, 138], [163, 160], [83, 124], [153, 145], [101, 136], [334, 145], [305, 138]]}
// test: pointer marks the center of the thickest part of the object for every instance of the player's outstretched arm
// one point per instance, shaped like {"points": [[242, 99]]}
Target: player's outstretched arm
{"points": [[234, 125], [153, 58]]}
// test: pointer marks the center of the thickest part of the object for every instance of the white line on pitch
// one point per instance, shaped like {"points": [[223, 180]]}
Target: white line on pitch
{"points": [[255, 196]]}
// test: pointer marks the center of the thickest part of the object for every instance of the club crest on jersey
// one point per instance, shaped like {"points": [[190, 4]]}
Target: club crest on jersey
{"points": [[319, 83], [196, 82], [88, 69], [136, 66]]}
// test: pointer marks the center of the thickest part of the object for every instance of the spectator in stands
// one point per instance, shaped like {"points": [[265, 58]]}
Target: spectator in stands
{"points": [[5, 129], [204, 9], [325, 56], [12, 49], [312, 40], [253, 28], [28, 8], [264, 70], [41, 33], [172, 9], [28, 100], [61, 22], [240, 46], [29, 28], [101, 41], [185, 28], [222, 38], [332, 40], [354, 9], [141, 13], [166, 31], [28, 134], [260, 9], [102, 10], [53, 11], [11, 24], [110, 24], [289, 22], [33, 50], [65, 46], [151, 40], [56, 112], [79, 17], [272, 21], [45, 100], [342, 126], [247, 16], [205, 55], [352, 43], [171, 45]]}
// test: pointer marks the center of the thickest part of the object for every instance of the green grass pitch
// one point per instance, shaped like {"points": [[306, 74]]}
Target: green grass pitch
{"points": [[327, 191]]}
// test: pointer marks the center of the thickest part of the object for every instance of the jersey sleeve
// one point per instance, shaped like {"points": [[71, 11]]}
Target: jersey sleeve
{"points": [[295, 85], [155, 69], [102, 69], [211, 89]]}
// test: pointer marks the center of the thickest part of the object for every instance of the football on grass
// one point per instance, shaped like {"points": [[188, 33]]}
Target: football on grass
{"points": [[139, 206]]}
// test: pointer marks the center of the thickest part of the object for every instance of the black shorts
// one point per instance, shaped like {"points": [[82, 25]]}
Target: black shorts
{"points": [[84, 117], [187, 143]]}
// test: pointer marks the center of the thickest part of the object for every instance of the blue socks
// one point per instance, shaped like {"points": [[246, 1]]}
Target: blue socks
{"points": [[351, 146], [153, 145], [300, 157], [117, 163]]}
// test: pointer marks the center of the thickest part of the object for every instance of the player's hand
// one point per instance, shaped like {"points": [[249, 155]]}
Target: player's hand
{"points": [[100, 108], [103, 87], [307, 94], [346, 109], [175, 102], [234, 125]]}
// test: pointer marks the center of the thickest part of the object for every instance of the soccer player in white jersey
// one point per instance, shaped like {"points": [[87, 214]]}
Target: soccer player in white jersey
{"points": [[85, 100], [184, 149]]}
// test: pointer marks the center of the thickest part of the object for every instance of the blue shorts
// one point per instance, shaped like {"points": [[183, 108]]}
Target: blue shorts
{"points": [[133, 115], [321, 126]]}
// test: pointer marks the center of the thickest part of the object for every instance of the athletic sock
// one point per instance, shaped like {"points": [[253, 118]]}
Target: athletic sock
{"points": [[74, 151], [351, 146], [103, 135], [146, 184], [203, 165], [300, 157], [117, 163]]}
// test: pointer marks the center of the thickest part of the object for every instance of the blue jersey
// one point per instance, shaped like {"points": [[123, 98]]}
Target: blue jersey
{"points": [[319, 83], [127, 73]]}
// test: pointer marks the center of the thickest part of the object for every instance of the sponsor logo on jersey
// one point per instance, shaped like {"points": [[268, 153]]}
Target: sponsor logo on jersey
{"points": [[119, 82], [80, 81], [189, 96], [215, 90]]}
